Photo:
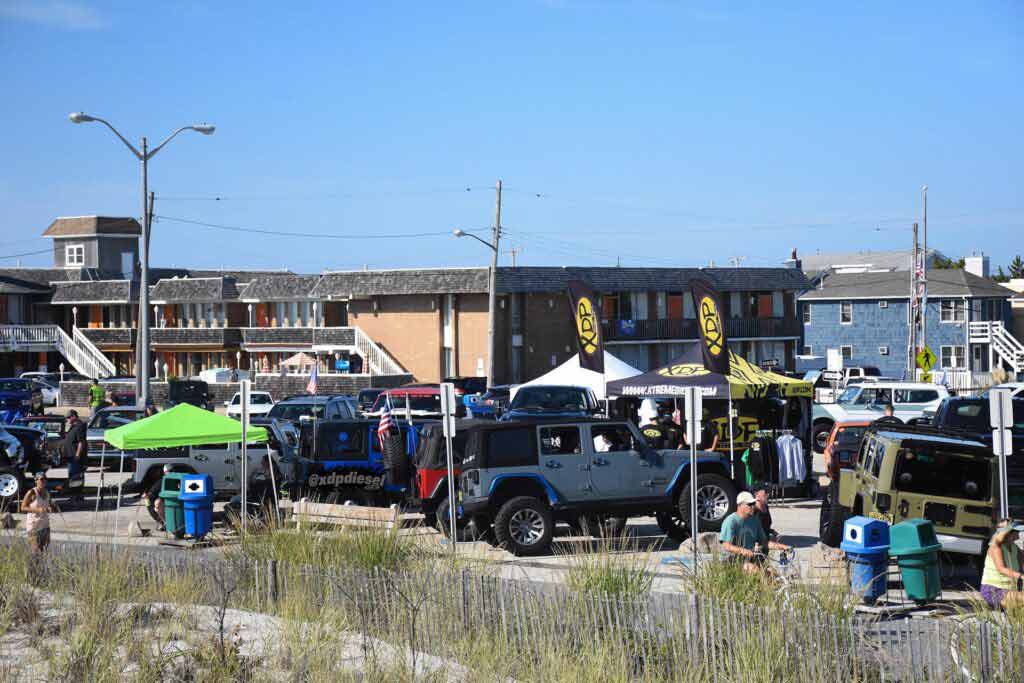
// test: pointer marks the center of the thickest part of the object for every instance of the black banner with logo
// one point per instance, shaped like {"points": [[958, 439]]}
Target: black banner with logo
{"points": [[588, 326], [711, 324]]}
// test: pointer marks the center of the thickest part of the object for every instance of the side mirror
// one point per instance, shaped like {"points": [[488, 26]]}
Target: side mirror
{"points": [[227, 403]]}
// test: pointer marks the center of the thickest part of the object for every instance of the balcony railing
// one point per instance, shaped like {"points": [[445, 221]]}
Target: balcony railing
{"points": [[678, 328], [299, 336], [109, 336]]}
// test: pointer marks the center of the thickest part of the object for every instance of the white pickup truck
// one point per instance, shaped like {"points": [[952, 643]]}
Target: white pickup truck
{"points": [[866, 403], [222, 461]]}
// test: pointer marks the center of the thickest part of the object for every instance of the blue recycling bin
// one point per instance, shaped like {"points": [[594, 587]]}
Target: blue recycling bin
{"points": [[866, 544], [197, 498]]}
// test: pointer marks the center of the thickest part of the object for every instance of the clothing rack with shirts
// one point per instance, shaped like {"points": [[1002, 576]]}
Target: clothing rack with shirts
{"points": [[776, 460]]}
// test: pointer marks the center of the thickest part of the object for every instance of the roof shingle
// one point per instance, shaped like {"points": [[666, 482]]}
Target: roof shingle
{"points": [[92, 225], [896, 285]]}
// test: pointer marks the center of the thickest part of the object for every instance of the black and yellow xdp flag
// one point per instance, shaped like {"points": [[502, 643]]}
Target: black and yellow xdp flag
{"points": [[588, 326], [711, 326]]}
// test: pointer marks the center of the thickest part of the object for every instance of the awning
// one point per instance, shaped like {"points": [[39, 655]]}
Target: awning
{"points": [[182, 425], [745, 380]]}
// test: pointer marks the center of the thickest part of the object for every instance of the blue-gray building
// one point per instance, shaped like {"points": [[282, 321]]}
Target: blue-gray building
{"points": [[866, 316]]}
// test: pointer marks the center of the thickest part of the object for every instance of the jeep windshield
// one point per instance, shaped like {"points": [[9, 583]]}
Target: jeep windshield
{"points": [[942, 473], [430, 403], [553, 400], [294, 411]]}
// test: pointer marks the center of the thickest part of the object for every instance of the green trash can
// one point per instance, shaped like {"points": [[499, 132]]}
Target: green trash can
{"points": [[174, 509], [916, 549]]}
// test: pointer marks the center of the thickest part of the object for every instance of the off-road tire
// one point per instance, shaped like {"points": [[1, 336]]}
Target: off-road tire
{"points": [[16, 481], [832, 518], [601, 526], [711, 488], [464, 532], [820, 436], [671, 524], [524, 518]]}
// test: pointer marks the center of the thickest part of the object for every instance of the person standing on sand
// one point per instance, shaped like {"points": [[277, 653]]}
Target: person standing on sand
{"points": [[37, 506]]}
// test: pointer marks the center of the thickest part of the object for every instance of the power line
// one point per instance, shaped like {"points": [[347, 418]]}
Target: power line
{"points": [[284, 233], [27, 253], [319, 197]]}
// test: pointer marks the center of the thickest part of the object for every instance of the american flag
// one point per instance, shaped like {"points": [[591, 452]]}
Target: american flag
{"points": [[312, 384], [385, 421]]}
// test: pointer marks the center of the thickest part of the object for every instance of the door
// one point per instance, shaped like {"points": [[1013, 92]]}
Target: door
{"points": [[618, 467], [565, 461], [221, 461]]}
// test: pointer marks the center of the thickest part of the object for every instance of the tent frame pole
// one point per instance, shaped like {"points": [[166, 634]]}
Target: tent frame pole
{"points": [[732, 453]]}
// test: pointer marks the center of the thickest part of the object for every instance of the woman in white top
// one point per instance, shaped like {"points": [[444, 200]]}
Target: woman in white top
{"points": [[36, 505]]}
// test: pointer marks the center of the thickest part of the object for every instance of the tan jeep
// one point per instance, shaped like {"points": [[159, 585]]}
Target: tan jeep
{"points": [[917, 472]]}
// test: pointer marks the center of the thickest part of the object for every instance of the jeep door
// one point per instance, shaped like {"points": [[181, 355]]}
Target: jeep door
{"points": [[565, 460], [221, 461], [619, 466]]}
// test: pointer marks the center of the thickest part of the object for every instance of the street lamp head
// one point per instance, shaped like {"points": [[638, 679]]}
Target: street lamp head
{"points": [[458, 233], [80, 117], [204, 128]]}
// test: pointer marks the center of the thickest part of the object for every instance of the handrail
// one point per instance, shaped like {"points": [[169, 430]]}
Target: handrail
{"points": [[80, 340], [79, 351], [378, 361]]}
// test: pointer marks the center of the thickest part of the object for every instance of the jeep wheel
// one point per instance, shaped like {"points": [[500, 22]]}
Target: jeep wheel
{"points": [[601, 526], [671, 524], [463, 532], [821, 432], [833, 517], [716, 500], [524, 526]]}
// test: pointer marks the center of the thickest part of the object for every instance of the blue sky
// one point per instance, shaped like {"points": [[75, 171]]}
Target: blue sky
{"points": [[655, 133]]}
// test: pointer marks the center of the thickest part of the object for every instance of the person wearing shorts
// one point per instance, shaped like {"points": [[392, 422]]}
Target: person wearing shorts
{"points": [[36, 505], [1003, 563]]}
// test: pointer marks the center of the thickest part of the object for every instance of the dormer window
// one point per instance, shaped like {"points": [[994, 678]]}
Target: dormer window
{"points": [[74, 255]]}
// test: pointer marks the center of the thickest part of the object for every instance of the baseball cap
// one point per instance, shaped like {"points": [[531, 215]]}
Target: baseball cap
{"points": [[745, 498]]}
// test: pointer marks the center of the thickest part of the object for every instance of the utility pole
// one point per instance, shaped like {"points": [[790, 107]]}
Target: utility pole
{"points": [[142, 338], [913, 313], [492, 302], [513, 251], [924, 271]]}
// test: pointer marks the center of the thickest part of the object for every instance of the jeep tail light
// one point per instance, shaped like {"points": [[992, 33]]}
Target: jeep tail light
{"points": [[883, 501]]}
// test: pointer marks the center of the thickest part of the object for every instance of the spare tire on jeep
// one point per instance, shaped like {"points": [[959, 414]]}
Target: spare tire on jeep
{"points": [[395, 459]]}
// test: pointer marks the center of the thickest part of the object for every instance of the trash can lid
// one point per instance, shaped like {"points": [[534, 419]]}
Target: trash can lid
{"points": [[865, 535], [912, 537]]}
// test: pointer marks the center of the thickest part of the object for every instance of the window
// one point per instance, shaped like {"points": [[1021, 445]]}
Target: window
{"points": [[339, 442], [807, 351], [845, 312], [511, 448], [847, 352], [560, 441], [876, 464], [952, 310], [883, 304], [613, 439], [74, 255], [883, 350], [916, 395], [954, 357], [941, 474], [872, 396], [807, 314]]}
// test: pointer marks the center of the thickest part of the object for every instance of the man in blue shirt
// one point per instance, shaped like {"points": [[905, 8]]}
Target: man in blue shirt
{"points": [[742, 533]]}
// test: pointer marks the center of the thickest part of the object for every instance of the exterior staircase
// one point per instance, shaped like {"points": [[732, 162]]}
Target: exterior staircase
{"points": [[80, 352], [1004, 345]]}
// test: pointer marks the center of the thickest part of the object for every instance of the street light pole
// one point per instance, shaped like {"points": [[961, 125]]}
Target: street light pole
{"points": [[492, 276], [142, 349]]}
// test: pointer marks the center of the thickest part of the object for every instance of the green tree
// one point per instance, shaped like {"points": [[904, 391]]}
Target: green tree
{"points": [[1017, 267], [1001, 276], [942, 263]]}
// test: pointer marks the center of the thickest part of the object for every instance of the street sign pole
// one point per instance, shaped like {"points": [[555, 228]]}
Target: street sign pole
{"points": [[693, 431], [448, 421], [244, 388], [1001, 418]]}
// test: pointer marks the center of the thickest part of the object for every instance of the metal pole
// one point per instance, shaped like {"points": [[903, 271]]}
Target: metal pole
{"points": [[694, 529], [244, 389], [924, 270], [732, 454], [913, 313], [492, 287], [142, 341]]}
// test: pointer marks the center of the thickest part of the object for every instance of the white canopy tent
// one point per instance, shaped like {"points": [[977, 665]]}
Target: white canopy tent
{"points": [[570, 373]]}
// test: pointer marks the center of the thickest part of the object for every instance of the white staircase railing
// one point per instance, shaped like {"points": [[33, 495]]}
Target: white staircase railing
{"points": [[377, 360], [80, 352], [1007, 347]]}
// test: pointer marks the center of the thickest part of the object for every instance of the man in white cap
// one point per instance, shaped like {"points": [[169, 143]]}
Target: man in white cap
{"points": [[742, 533]]}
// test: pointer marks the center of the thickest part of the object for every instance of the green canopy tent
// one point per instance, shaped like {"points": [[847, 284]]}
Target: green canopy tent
{"points": [[182, 425]]}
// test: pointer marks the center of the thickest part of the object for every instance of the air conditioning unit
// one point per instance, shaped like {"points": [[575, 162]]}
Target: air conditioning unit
{"points": [[883, 350], [883, 304]]}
